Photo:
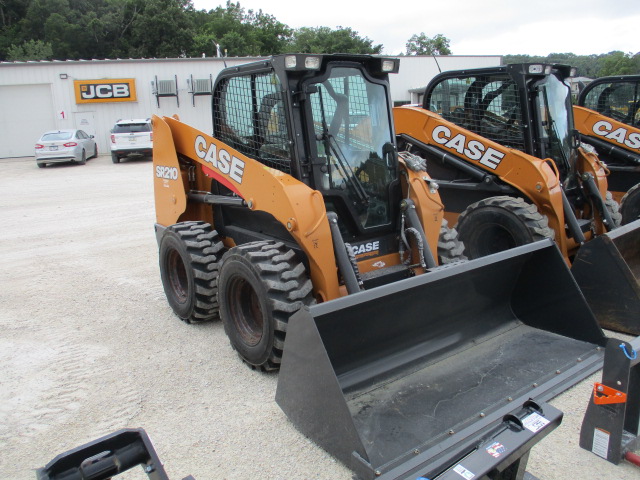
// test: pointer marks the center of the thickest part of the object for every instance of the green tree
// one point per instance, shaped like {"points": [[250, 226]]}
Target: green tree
{"points": [[30, 50], [420, 44], [618, 63], [326, 40]]}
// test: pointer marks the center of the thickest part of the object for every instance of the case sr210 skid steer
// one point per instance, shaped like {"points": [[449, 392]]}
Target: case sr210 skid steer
{"points": [[501, 145], [298, 218], [608, 117]]}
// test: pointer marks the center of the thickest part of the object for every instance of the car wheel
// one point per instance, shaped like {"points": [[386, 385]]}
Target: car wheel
{"points": [[95, 152], [83, 160], [114, 158], [41, 165]]}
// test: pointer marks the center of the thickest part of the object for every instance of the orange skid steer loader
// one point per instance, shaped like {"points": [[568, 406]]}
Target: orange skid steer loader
{"points": [[325, 254], [608, 118], [500, 144]]}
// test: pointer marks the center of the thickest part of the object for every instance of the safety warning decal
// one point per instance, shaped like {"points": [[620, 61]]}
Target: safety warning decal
{"points": [[463, 472], [535, 422], [600, 442], [496, 449]]}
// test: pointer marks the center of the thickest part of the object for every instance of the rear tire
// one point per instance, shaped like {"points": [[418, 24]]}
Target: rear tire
{"points": [[41, 165], [83, 159], [450, 248], [114, 158], [189, 256], [261, 284], [496, 224], [630, 205]]}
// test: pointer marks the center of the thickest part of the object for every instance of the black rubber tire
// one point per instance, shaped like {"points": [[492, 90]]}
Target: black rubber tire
{"points": [[450, 248], [41, 165], [261, 284], [614, 210], [499, 223], [95, 152], [630, 205], [189, 260], [114, 158], [83, 160]]}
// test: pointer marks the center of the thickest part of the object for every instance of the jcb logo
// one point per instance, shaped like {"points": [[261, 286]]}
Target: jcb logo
{"points": [[92, 91]]}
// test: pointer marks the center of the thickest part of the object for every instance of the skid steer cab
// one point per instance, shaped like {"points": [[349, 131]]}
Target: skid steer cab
{"points": [[324, 251], [501, 144], [299, 196], [608, 118]]}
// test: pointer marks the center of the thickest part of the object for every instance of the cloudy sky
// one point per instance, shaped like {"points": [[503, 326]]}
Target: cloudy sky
{"points": [[489, 27]]}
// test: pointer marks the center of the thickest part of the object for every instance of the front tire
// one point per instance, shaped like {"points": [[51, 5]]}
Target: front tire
{"points": [[499, 223], [261, 284], [189, 256], [630, 205]]}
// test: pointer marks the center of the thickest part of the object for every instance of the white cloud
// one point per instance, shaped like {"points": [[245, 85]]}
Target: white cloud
{"points": [[492, 27]]}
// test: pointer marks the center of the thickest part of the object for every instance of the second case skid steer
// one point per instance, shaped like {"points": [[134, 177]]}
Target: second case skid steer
{"points": [[301, 227], [608, 117], [501, 145]]}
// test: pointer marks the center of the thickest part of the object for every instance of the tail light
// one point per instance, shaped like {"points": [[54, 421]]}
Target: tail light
{"points": [[113, 139], [151, 136], [38, 146], [71, 144]]}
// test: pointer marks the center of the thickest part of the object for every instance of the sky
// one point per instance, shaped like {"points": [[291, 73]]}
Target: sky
{"points": [[489, 27]]}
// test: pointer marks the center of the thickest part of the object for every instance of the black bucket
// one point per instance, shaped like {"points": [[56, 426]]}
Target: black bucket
{"points": [[607, 270], [427, 367]]}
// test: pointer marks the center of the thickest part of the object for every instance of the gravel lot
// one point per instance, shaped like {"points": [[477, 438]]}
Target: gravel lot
{"points": [[89, 345]]}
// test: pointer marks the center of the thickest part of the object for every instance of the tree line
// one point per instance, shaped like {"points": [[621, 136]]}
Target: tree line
{"points": [[98, 29]]}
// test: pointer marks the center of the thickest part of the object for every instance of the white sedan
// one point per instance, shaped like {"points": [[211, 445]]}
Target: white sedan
{"points": [[64, 146]]}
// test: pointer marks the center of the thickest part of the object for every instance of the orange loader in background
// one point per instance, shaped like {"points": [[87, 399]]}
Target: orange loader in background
{"points": [[323, 251], [608, 118], [501, 145]]}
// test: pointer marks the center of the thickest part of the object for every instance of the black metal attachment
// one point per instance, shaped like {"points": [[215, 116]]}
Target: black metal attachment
{"points": [[607, 269], [106, 457], [610, 425], [405, 380]]}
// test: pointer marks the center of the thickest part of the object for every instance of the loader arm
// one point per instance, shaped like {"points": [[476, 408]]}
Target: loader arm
{"points": [[536, 179], [296, 206], [617, 142]]}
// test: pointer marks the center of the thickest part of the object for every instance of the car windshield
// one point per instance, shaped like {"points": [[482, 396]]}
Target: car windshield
{"points": [[49, 137], [132, 128], [556, 123], [354, 137]]}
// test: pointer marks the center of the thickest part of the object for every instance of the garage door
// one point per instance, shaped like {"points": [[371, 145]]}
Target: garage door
{"points": [[27, 113]]}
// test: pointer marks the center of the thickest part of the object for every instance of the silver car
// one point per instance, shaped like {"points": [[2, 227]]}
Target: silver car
{"points": [[64, 146]]}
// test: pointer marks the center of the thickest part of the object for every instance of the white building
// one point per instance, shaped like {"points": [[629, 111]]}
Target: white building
{"points": [[93, 94]]}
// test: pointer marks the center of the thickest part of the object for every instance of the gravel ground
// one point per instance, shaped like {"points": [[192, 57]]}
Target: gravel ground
{"points": [[89, 345]]}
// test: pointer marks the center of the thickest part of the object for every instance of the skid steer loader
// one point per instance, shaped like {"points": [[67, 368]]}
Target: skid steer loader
{"points": [[324, 252], [500, 144], [608, 118]]}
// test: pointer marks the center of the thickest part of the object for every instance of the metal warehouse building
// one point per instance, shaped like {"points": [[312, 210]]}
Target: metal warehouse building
{"points": [[93, 94]]}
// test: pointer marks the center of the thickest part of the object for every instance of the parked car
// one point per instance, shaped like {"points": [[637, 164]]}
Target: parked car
{"points": [[131, 138], [67, 145]]}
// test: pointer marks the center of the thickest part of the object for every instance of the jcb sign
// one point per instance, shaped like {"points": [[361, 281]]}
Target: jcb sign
{"points": [[112, 90]]}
